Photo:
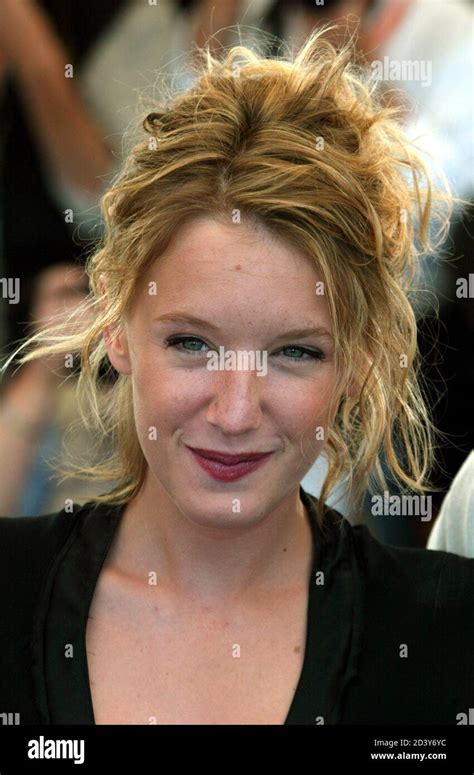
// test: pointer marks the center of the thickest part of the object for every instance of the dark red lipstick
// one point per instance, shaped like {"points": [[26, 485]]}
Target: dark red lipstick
{"points": [[228, 467]]}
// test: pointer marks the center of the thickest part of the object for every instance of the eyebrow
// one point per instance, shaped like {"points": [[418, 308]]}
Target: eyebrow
{"points": [[181, 317]]}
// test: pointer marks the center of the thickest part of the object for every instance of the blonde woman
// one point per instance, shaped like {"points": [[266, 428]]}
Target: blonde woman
{"points": [[251, 293]]}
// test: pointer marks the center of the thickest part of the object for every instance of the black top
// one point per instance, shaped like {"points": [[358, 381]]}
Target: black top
{"points": [[390, 631]]}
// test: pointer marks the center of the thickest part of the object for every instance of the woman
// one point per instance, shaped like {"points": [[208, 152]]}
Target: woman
{"points": [[251, 294]]}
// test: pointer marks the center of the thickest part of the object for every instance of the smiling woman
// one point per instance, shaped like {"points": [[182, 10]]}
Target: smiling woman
{"points": [[271, 217]]}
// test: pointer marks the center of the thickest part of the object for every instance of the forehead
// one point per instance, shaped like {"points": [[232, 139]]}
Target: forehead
{"points": [[209, 246], [232, 268]]}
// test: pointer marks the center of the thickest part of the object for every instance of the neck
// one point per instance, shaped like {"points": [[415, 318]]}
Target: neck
{"points": [[216, 562]]}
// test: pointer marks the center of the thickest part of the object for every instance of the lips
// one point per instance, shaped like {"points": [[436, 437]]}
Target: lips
{"points": [[228, 468], [227, 459]]}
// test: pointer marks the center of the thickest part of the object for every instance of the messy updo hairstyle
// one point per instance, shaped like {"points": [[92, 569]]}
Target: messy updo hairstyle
{"points": [[304, 145]]}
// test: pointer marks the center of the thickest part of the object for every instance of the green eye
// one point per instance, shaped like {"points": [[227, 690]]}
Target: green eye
{"points": [[176, 341], [314, 354], [303, 354]]}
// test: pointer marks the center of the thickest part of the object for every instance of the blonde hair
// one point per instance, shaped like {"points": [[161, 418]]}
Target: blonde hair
{"points": [[304, 146]]}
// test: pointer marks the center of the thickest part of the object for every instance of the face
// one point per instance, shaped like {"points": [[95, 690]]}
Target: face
{"points": [[228, 289]]}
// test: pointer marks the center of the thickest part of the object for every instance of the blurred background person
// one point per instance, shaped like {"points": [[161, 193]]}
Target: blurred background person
{"points": [[39, 411], [453, 530], [71, 72]]}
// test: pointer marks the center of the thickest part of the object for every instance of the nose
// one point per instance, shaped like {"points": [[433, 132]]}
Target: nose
{"points": [[236, 406]]}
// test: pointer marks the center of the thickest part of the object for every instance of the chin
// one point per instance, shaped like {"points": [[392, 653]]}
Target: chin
{"points": [[223, 509]]}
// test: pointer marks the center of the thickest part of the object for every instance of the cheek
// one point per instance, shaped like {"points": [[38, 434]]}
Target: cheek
{"points": [[162, 397], [306, 418], [307, 405]]}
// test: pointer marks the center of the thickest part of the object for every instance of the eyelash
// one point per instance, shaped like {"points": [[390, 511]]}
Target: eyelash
{"points": [[175, 341]]}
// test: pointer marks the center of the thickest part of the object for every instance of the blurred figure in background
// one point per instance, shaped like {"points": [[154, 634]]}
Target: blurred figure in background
{"points": [[38, 405], [71, 73], [453, 530]]}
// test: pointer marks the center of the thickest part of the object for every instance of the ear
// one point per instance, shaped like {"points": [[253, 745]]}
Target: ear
{"points": [[116, 342]]}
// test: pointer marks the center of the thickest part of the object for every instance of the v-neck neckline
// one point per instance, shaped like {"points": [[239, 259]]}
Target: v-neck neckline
{"points": [[59, 647]]}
